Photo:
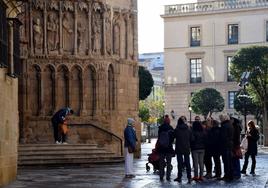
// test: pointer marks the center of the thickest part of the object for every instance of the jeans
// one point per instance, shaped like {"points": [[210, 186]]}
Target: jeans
{"points": [[165, 159], [198, 159], [253, 157], [227, 163], [217, 162], [186, 162], [208, 162], [56, 131], [236, 168]]}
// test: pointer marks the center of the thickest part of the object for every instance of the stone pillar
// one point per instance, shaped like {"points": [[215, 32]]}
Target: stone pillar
{"points": [[104, 33], [89, 30], [135, 35], [45, 28], [82, 96], [75, 28], [31, 27], [127, 36], [41, 92], [10, 47], [61, 37]]}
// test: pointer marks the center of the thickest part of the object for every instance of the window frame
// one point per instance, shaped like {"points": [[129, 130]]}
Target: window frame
{"points": [[229, 76], [231, 102], [230, 36], [197, 72], [195, 42]]}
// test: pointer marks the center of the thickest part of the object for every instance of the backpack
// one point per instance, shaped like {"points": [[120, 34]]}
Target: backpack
{"points": [[164, 139]]}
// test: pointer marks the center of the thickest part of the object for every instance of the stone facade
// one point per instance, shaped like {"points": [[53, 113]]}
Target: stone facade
{"points": [[212, 18], [81, 54]]}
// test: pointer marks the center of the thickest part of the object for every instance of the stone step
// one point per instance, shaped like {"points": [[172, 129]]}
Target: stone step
{"points": [[61, 154]]}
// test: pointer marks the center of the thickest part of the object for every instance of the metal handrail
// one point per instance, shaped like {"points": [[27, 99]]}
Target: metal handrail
{"points": [[106, 131]]}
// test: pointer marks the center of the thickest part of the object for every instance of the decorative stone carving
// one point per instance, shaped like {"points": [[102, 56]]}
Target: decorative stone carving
{"points": [[39, 4], [52, 32], [53, 5], [108, 30], [116, 35], [80, 34], [68, 32], [96, 28], [37, 35], [130, 39]]}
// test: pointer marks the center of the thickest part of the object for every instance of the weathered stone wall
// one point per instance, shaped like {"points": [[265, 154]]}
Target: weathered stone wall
{"points": [[8, 127], [81, 54]]}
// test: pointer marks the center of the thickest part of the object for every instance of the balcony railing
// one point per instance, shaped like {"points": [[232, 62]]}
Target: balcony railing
{"points": [[181, 9]]}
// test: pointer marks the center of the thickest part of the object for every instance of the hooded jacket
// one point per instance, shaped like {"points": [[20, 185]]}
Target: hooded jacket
{"points": [[183, 139]]}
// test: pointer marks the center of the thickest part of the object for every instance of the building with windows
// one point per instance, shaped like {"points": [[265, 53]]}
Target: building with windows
{"points": [[200, 40], [154, 62], [9, 71]]}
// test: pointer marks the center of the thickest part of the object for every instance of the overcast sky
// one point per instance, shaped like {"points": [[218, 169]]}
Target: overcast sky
{"points": [[150, 24]]}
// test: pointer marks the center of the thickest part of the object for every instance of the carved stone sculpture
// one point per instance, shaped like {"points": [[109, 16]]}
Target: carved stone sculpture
{"points": [[107, 17], [96, 28], [52, 33], [38, 35], [80, 32], [67, 25], [116, 39]]}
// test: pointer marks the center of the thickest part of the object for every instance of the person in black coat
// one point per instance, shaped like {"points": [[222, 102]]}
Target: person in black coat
{"points": [[183, 137], [166, 153], [252, 137]]}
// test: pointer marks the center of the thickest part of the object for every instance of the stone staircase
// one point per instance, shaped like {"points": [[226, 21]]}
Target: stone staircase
{"points": [[64, 154]]}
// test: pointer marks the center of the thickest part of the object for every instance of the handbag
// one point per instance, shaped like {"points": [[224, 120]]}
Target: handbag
{"points": [[244, 144], [238, 153]]}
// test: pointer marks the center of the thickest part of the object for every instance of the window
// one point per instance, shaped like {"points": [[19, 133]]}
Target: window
{"points": [[195, 70], [229, 64], [3, 36], [266, 31], [231, 97], [195, 36], [233, 34]]}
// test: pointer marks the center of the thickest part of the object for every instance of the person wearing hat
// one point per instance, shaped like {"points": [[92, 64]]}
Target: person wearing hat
{"points": [[129, 147]]}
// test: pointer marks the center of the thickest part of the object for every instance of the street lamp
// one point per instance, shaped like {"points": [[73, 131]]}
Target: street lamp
{"points": [[190, 110], [243, 83]]}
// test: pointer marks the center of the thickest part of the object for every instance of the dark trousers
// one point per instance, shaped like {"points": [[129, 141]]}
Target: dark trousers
{"points": [[217, 162], [180, 162], [56, 130], [236, 168], [227, 163], [208, 162], [165, 159], [253, 157]]}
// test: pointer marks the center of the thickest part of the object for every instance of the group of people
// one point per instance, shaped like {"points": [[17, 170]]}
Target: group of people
{"points": [[206, 140]]}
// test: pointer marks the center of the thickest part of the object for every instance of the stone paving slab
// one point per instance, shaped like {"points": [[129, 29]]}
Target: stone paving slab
{"points": [[112, 176]]}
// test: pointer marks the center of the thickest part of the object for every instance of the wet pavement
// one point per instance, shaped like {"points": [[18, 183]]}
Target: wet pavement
{"points": [[112, 176]]}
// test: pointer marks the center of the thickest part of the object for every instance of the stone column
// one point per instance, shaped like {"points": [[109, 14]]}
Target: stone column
{"points": [[135, 35], [104, 33], [127, 36], [82, 96], [10, 47], [89, 30], [61, 37], [45, 28], [31, 28], [56, 91], [75, 28], [41, 92]]}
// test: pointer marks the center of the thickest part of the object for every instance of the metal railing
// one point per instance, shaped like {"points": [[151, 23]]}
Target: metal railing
{"points": [[180, 9], [105, 131]]}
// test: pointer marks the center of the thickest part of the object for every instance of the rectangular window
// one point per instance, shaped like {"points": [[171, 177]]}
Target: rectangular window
{"points": [[3, 36], [195, 36], [230, 78], [266, 31], [233, 34], [196, 70], [231, 97]]}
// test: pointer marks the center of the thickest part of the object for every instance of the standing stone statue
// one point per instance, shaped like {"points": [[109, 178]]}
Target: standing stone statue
{"points": [[107, 17], [52, 33], [116, 39], [67, 32], [38, 35], [80, 32], [96, 31]]}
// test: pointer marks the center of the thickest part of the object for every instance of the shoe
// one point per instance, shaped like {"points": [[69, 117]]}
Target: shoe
{"points": [[208, 176], [161, 179], [130, 176], [253, 173], [57, 142], [178, 180], [64, 143], [200, 178], [243, 172], [189, 181], [168, 178]]}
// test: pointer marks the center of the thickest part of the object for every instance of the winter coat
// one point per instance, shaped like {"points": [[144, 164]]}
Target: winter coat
{"points": [[183, 136], [253, 137], [198, 140], [213, 141], [162, 128], [226, 135], [236, 135], [130, 137], [60, 115]]}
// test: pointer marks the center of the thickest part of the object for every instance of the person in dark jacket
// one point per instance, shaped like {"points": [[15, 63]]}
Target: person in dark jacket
{"points": [[207, 125], [166, 153], [198, 149], [58, 118], [183, 135], [227, 146], [129, 147], [236, 146], [252, 137]]}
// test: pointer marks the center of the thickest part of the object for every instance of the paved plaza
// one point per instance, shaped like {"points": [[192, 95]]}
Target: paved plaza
{"points": [[112, 176]]}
